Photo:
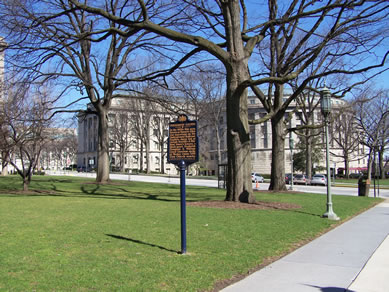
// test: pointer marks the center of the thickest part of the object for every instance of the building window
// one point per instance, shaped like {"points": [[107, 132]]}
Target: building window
{"points": [[156, 145], [212, 140], [252, 136], [299, 118], [265, 135], [111, 118]]}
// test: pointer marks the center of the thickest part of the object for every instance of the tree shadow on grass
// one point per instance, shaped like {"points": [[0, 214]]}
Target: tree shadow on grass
{"points": [[112, 190], [90, 194], [303, 212], [141, 242]]}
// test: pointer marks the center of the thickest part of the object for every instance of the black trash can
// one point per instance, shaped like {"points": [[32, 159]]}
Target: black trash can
{"points": [[363, 187]]}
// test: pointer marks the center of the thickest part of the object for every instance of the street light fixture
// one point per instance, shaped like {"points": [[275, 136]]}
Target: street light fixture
{"points": [[325, 105], [291, 146]]}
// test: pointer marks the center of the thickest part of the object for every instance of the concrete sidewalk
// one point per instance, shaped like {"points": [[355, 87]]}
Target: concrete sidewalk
{"points": [[352, 257]]}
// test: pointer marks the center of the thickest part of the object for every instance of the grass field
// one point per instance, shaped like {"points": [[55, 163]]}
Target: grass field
{"points": [[73, 235], [384, 183]]}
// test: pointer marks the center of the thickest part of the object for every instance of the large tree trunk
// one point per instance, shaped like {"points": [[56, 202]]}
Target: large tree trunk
{"points": [[147, 151], [308, 163], [27, 178], [239, 186], [122, 159], [370, 163], [277, 176], [277, 181], [219, 158], [25, 184], [103, 151], [381, 163], [141, 157], [346, 167], [162, 160]]}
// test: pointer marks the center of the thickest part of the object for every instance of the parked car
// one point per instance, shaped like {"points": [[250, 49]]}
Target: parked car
{"points": [[319, 179], [300, 179], [256, 177], [288, 178]]}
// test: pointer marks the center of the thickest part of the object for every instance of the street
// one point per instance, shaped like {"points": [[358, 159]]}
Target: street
{"points": [[347, 191]]}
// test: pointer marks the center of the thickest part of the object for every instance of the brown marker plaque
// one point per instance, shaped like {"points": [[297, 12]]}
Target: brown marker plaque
{"points": [[183, 141]]}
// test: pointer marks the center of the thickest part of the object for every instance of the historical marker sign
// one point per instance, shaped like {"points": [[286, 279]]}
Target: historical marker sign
{"points": [[183, 141], [183, 149]]}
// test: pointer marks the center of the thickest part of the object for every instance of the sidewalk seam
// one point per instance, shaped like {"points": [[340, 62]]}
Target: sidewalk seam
{"points": [[360, 271]]}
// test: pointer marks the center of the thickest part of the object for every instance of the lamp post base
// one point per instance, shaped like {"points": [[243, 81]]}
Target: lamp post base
{"points": [[330, 215]]}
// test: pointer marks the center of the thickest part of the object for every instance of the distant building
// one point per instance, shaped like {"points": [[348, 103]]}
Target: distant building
{"points": [[60, 149], [138, 137], [261, 143], [135, 157]]}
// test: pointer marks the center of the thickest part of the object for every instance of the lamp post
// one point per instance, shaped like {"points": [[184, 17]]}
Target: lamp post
{"points": [[325, 105], [291, 146]]}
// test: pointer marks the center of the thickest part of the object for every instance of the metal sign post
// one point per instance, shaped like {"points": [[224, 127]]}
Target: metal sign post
{"points": [[183, 150], [182, 166]]}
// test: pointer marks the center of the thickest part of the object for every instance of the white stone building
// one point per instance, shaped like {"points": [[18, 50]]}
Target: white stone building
{"points": [[60, 149], [135, 157], [145, 121], [261, 143]]}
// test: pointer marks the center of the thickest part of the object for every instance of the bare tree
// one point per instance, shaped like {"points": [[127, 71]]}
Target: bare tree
{"points": [[293, 48], [141, 120], [308, 131], [4, 152], [372, 115], [202, 93], [213, 106], [294, 36], [60, 147], [160, 125], [26, 115], [120, 132], [346, 136], [85, 53], [4, 147]]}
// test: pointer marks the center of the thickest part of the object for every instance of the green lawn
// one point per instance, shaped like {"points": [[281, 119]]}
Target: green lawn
{"points": [[75, 235], [382, 183]]}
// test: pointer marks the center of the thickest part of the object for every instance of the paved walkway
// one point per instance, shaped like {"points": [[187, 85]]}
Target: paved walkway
{"points": [[352, 257]]}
